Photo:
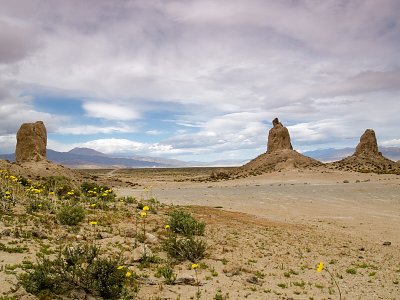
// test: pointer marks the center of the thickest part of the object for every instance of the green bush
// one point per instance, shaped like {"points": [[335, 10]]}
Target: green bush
{"points": [[185, 248], [183, 222], [76, 267], [44, 277], [38, 204], [71, 215], [168, 273], [105, 278]]}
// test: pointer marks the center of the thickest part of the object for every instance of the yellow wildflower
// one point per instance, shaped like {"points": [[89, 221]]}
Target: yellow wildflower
{"points": [[93, 205], [195, 266], [128, 274], [39, 205], [143, 214], [120, 267], [146, 208], [51, 193], [320, 267], [167, 227], [93, 223]]}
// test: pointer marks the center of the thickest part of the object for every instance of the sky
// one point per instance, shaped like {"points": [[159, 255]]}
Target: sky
{"points": [[199, 79]]}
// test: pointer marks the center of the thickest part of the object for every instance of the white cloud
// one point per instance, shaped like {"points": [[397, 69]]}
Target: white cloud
{"points": [[391, 143], [7, 143], [118, 146], [110, 111], [226, 66], [154, 132], [90, 129]]}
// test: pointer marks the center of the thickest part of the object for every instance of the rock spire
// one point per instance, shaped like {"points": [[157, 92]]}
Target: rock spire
{"points": [[278, 138], [31, 142]]}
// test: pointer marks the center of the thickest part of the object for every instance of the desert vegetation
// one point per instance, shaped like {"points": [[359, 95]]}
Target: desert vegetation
{"points": [[66, 240]]}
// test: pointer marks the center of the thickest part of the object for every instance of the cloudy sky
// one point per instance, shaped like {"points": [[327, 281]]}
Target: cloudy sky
{"points": [[199, 79]]}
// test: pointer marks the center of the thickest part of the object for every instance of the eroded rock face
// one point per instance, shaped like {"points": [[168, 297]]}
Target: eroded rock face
{"points": [[278, 137], [368, 146], [31, 142]]}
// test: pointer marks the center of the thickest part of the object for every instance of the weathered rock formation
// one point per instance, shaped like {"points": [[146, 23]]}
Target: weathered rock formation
{"points": [[368, 145], [279, 156], [278, 137], [31, 142], [367, 158]]}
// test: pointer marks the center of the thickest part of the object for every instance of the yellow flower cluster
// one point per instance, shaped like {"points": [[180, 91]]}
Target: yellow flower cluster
{"points": [[92, 193], [127, 274], [34, 190], [145, 209]]}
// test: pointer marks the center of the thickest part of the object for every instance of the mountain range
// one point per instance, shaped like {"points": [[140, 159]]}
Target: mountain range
{"points": [[89, 158]]}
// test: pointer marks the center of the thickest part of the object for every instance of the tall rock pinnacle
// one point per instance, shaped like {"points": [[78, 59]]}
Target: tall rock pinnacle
{"points": [[278, 137], [31, 142], [368, 146]]}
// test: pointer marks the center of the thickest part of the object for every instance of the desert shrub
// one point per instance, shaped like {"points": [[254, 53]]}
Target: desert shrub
{"points": [[7, 201], [89, 186], [43, 278], [185, 248], [71, 215], [94, 191], [183, 222], [38, 204], [63, 190], [76, 267], [105, 278], [128, 199], [219, 175], [168, 273]]}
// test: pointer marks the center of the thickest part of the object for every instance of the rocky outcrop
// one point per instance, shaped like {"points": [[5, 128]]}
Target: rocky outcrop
{"points": [[31, 142], [368, 145], [278, 138], [279, 156], [367, 158]]}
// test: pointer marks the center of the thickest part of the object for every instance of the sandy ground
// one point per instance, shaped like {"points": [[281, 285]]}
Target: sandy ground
{"points": [[361, 204], [265, 235]]}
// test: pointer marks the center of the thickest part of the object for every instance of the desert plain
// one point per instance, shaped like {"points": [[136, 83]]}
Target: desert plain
{"points": [[265, 235]]}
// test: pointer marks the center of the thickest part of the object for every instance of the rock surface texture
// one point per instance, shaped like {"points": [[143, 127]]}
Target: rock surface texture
{"points": [[278, 137], [31, 142], [368, 145]]}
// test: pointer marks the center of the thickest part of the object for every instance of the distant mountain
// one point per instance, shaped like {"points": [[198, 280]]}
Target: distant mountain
{"points": [[332, 154], [86, 151], [97, 159], [92, 158], [10, 157], [89, 158]]}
